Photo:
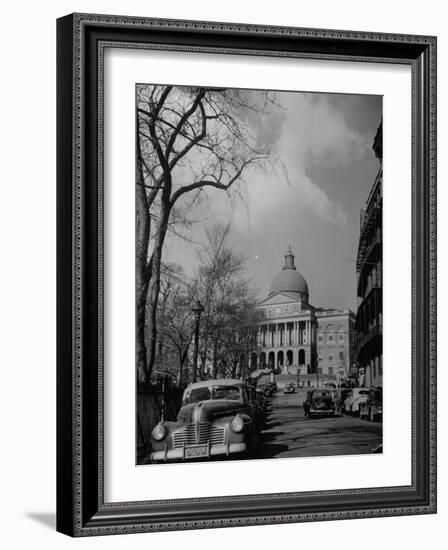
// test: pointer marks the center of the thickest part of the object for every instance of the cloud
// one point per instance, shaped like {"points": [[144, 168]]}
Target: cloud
{"points": [[306, 130]]}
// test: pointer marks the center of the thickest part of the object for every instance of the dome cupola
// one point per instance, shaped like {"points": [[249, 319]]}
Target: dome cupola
{"points": [[289, 279]]}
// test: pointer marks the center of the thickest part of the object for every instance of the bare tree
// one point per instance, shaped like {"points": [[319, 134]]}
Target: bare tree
{"points": [[230, 322], [174, 320], [188, 140]]}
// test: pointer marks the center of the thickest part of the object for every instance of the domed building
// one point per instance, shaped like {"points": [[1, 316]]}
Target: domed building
{"points": [[298, 341]]}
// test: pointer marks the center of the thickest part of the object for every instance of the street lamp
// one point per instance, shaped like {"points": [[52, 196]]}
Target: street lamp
{"points": [[197, 309]]}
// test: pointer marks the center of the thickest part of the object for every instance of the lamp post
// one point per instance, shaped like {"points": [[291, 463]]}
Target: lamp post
{"points": [[197, 309]]}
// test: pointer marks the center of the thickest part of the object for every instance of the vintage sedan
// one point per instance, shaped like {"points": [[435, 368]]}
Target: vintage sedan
{"points": [[354, 400], [372, 409], [217, 418], [319, 402], [289, 388], [266, 388]]}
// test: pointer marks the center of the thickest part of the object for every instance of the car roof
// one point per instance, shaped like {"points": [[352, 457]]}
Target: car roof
{"points": [[218, 382]]}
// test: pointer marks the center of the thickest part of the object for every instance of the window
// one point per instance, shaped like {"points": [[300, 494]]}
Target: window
{"points": [[330, 338], [330, 358], [321, 338], [341, 338], [341, 355]]}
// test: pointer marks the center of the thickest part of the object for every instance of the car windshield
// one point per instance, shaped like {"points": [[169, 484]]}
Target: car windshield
{"points": [[226, 392], [216, 392]]}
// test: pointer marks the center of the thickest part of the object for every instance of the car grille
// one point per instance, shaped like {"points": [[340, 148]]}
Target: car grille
{"points": [[195, 434]]}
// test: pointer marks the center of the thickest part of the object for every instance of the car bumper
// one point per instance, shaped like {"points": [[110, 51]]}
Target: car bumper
{"points": [[215, 450]]}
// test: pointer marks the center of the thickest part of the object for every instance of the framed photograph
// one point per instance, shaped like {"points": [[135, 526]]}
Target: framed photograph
{"points": [[246, 274]]}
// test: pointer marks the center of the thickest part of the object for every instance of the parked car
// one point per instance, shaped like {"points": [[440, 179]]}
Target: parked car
{"points": [[319, 402], [217, 417], [372, 409], [336, 395], [355, 398], [289, 388], [344, 393], [259, 409], [266, 388], [261, 397]]}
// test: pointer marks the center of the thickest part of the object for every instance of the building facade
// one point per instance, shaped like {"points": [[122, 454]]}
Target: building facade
{"points": [[369, 318], [299, 341]]}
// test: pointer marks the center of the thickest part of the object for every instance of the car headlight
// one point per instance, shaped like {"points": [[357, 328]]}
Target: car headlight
{"points": [[237, 424], [159, 432]]}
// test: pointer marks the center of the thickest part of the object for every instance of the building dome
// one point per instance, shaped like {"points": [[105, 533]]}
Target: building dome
{"points": [[289, 279]]}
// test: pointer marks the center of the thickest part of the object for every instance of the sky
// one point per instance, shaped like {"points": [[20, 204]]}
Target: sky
{"points": [[310, 200]]}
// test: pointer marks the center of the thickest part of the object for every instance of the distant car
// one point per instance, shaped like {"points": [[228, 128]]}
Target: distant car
{"points": [[372, 409], [289, 388], [319, 402], [217, 417], [355, 398]]}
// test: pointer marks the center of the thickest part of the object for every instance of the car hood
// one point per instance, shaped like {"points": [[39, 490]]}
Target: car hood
{"points": [[204, 411]]}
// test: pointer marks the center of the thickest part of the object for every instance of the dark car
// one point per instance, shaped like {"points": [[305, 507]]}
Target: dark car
{"points": [[319, 402], [261, 398], [372, 409], [217, 417], [289, 388], [259, 408], [266, 388]]}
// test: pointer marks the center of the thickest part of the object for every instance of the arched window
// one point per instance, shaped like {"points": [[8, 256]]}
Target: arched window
{"points": [[330, 334], [341, 335], [301, 357], [253, 361], [280, 359]]}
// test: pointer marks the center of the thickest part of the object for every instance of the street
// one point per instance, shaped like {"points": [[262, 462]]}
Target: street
{"points": [[290, 433]]}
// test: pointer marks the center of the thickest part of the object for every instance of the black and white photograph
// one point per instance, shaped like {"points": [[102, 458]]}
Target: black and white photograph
{"points": [[258, 274]]}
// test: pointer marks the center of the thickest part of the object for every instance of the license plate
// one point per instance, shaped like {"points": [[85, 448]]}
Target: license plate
{"points": [[197, 451]]}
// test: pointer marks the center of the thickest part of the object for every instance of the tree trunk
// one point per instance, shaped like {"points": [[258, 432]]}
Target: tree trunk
{"points": [[154, 289], [142, 267]]}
